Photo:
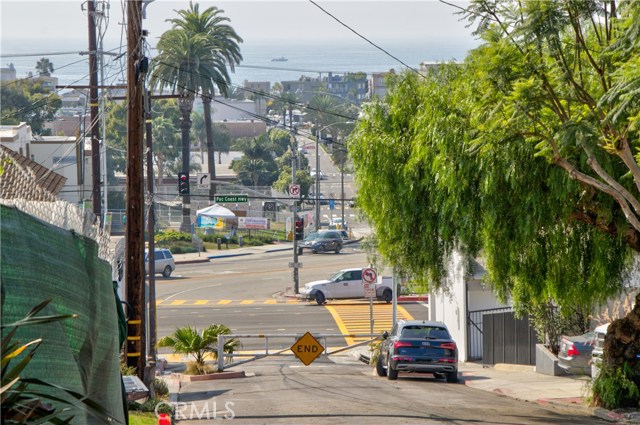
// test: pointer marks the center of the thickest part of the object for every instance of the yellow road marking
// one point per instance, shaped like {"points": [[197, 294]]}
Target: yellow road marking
{"points": [[224, 302], [200, 302], [271, 302], [178, 302], [247, 302], [354, 319]]}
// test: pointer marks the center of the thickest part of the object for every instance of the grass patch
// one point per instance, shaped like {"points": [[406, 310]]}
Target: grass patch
{"points": [[142, 418]]}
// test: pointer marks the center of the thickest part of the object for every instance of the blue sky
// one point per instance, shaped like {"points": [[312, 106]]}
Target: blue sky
{"points": [[255, 21]]}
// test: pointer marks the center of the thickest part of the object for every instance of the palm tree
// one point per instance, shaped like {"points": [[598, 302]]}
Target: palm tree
{"points": [[44, 67], [225, 47], [186, 65], [189, 341]]}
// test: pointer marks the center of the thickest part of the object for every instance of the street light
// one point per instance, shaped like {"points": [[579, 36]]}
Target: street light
{"points": [[318, 134]]}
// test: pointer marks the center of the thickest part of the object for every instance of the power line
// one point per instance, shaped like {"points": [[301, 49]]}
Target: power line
{"points": [[363, 37]]}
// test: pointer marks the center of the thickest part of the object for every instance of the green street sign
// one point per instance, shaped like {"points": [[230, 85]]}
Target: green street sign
{"points": [[233, 199]]}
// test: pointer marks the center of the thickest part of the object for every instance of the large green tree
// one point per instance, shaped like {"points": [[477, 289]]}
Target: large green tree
{"points": [[526, 153], [257, 166], [28, 101], [224, 45]]}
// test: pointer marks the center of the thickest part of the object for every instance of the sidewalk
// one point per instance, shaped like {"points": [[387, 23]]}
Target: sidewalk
{"points": [[523, 383]]}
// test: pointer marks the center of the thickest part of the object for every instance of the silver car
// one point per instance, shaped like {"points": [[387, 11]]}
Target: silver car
{"points": [[164, 262]]}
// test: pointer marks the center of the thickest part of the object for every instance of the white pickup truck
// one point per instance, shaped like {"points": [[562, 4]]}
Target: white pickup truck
{"points": [[345, 284]]}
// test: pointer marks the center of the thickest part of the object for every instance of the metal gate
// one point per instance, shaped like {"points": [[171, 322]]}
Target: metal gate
{"points": [[507, 339], [475, 331], [227, 360]]}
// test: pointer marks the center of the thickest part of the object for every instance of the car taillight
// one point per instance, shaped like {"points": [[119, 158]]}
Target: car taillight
{"points": [[573, 351], [399, 344], [448, 345]]}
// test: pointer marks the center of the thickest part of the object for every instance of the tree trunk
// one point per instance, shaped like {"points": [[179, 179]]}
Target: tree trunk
{"points": [[622, 342], [211, 158], [186, 105]]}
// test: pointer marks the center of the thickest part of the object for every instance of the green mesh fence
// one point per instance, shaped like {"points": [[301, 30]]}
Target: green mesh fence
{"points": [[40, 261]]}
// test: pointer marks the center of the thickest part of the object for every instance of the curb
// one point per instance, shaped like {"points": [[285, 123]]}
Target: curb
{"points": [[204, 260], [240, 254]]}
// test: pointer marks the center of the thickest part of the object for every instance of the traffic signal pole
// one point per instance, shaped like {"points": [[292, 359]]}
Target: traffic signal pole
{"points": [[294, 214]]}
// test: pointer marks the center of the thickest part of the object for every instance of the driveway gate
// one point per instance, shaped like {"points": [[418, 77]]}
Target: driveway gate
{"points": [[475, 331], [508, 340], [227, 361]]}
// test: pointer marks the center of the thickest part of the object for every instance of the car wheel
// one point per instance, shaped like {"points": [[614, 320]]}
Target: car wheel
{"points": [[452, 377], [320, 298], [387, 296], [321, 248], [439, 375], [392, 374], [167, 271], [338, 248], [315, 251], [380, 370]]}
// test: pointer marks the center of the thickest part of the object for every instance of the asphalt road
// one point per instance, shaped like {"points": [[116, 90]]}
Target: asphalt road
{"points": [[344, 391]]}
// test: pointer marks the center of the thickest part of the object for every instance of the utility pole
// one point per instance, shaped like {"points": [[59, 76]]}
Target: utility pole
{"points": [[294, 214], [134, 232], [93, 104], [317, 204], [151, 225]]}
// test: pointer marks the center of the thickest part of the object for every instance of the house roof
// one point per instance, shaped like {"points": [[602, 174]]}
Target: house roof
{"points": [[22, 176]]}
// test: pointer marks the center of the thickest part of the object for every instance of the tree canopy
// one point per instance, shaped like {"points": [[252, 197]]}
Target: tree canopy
{"points": [[28, 101], [526, 153]]}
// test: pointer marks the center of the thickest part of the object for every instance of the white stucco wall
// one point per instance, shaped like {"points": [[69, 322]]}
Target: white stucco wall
{"points": [[449, 305]]}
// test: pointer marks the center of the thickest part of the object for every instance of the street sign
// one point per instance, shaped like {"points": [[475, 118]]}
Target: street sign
{"points": [[369, 290], [307, 349], [294, 190], [294, 265], [369, 275], [204, 181], [231, 199]]}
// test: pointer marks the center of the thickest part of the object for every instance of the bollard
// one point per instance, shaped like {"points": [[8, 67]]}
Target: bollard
{"points": [[240, 241], [219, 241], [164, 419]]}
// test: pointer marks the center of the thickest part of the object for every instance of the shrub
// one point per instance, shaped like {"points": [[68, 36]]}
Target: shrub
{"points": [[150, 406], [161, 388], [617, 387], [172, 236]]}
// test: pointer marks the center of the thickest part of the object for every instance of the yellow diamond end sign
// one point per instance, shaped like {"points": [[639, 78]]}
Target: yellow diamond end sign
{"points": [[307, 348]]}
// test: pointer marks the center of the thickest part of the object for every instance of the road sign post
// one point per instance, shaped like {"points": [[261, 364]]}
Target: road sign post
{"points": [[307, 349], [369, 277]]}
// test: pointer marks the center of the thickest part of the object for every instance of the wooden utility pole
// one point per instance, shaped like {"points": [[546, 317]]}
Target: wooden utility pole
{"points": [[151, 226], [96, 199], [134, 232]]}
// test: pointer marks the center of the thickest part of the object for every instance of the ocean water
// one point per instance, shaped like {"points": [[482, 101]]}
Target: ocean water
{"points": [[311, 59]]}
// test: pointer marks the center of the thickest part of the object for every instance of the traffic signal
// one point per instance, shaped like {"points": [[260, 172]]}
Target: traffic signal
{"points": [[299, 229], [183, 183]]}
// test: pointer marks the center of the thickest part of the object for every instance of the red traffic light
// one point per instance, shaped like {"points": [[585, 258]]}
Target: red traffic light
{"points": [[183, 177]]}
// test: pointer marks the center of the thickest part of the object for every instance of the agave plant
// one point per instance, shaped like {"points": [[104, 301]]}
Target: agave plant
{"points": [[23, 399], [189, 341]]}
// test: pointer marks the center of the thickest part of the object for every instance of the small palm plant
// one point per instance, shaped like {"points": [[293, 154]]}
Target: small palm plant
{"points": [[189, 341]]}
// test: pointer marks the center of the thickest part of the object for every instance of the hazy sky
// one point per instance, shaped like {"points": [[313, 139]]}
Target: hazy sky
{"points": [[294, 20]]}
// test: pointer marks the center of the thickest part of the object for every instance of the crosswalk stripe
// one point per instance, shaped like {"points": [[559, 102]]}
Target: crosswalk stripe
{"points": [[354, 319]]}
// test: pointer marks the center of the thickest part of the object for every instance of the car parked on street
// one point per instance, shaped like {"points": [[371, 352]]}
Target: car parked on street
{"points": [[324, 241], [164, 262], [418, 346], [598, 349], [345, 284], [575, 353]]}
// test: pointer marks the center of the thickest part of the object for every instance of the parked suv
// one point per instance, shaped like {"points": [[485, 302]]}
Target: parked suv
{"points": [[328, 240], [164, 262], [418, 346]]}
